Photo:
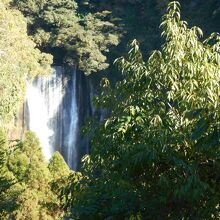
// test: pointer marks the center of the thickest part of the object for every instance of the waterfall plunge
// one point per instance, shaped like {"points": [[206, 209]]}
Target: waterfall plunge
{"points": [[53, 114]]}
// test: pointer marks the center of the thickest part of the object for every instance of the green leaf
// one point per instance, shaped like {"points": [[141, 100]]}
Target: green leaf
{"points": [[200, 129], [194, 113]]}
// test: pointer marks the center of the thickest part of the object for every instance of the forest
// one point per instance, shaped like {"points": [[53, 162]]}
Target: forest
{"points": [[155, 66]]}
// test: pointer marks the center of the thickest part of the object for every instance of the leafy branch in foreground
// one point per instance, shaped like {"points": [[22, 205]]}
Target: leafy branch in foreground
{"points": [[158, 155]]}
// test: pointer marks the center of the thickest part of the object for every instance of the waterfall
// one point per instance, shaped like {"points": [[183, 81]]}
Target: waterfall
{"points": [[52, 111], [57, 107], [70, 123]]}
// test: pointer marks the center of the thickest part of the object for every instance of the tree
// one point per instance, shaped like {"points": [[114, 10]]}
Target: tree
{"points": [[30, 169], [60, 173], [72, 37], [157, 155], [19, 60], [8, 193], [89, 43], [58, 166]]}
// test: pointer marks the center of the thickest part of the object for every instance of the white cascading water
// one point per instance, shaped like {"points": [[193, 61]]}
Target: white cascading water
{"points": [[52, 116], [71, 138]]}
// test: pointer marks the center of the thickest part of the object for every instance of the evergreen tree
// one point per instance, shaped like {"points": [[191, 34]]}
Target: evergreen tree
{"points": [[60, 173], [37, 200], [7, 192], [58, 166]]}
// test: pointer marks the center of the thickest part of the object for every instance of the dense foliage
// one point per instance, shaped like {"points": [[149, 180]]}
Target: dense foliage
{"points": [[83, 31], [140, 19], [26, 181], [73, 38], [158, 155], [19, 59], [7, 193]]}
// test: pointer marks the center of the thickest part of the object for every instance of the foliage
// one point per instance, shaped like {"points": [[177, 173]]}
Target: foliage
{"points": [[26, 182], [7, 193], [19, 59], [73, 38], [158, 154], [140, 19], [58, 166], [28, 165], [60, 173], [62, 27]]}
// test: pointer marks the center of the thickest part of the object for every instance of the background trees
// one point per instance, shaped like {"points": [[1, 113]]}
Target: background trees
{"points": [[86, 32], [71, 37], [157, 155], [19, 59], [139, 19]]}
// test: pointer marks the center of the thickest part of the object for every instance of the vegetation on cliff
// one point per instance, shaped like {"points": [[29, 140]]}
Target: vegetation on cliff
{"points": [[19, 60], [73, 38]]}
